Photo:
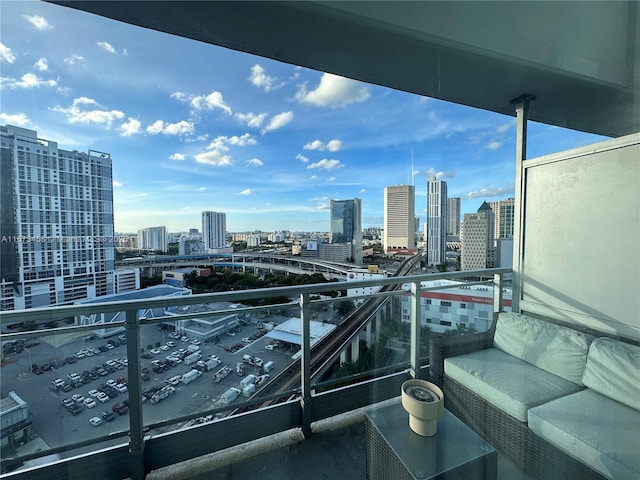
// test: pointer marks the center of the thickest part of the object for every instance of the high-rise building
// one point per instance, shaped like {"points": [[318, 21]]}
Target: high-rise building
{"points": [[503, 213], [436, 221], [453, 216], [399, 218], [214, 230], [56, 225], [153, 238], [478, 250], [346, 226]]}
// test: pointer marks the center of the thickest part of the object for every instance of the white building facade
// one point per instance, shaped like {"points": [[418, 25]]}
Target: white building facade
{"points": [[214, 230], [153, 238], [56, 229], [455, 306]]}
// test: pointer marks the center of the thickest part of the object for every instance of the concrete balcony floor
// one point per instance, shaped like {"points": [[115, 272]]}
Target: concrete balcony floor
{"points": [[335, 451]]}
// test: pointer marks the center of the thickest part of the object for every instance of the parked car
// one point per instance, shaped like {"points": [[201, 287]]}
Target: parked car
{"points": [[102, 397], [75, 409], [109, 416], [95, 421], [89, 402]]}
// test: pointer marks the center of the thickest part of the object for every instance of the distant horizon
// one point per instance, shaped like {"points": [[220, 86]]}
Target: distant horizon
{"points": [[193, 127]]}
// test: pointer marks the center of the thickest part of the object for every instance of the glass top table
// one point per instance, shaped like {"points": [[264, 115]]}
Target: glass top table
{"points": [[395, 452]]}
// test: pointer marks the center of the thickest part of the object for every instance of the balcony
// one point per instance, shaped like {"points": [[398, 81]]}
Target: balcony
{"points": [[565, 265], [151, 440]]}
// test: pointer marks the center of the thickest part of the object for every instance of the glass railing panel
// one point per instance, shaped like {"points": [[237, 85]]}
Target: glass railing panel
{"points": [[63, 387]]}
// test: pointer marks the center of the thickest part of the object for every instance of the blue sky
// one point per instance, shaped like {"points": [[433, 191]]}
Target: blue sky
{"points": [[194, 127]]}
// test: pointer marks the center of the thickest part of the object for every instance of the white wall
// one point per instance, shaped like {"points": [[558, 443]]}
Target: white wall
{"points": [[580, 254]]}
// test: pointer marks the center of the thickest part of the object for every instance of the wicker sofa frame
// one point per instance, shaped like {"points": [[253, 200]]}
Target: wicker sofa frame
{"points": [[511, 437]]}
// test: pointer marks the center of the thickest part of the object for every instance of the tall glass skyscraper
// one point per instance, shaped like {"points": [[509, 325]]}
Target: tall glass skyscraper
{"points": [[346, 226], [436, 221]]}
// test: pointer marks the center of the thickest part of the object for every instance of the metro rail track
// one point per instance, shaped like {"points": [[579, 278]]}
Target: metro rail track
{"points": [[325, 349]]}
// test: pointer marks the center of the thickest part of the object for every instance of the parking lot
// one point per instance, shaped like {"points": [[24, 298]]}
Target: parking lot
{"points": [[94, 369]]}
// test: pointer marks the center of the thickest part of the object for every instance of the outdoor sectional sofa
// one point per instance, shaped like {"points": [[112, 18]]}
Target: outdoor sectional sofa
{"points": [[561, 401]]}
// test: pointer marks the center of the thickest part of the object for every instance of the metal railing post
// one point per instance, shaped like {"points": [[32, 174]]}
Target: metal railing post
{"points": [[136, 426], [305, 366], [497, 293], [415, 330]]}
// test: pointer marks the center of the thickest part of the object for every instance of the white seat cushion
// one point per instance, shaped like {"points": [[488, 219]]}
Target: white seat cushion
{"points": [[594, 429], [507, 382], [558, 350]]}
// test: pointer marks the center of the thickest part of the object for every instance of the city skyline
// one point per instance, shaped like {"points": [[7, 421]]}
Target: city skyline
{"points": [[268, 143]]}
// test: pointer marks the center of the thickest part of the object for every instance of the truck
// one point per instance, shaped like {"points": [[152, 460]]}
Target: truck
{"points": [[251, 360], [209, 365], [230, 395], [249, 390], [249, 379], [268, 366], [222, 373], [162, 394], [193, 348], [190, 376], [193, 358]]}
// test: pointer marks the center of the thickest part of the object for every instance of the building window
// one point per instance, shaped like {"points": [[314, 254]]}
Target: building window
{"points": [[463, 305], [445, 323], [445, 304]]}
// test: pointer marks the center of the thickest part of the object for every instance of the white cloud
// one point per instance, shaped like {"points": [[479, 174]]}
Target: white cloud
{"points": [[28, 81], [261, 80], [117, 183], [315, 145], [332, 145], [302, 158], [322, 206], [14, 119], [364, 190], [125, 52], [253, 120], [331, 179], [180, 128], [107, 47], [210, 102], [39, 22], [78, 112], [73, 59], [493, 145], [214, 158], [180, 96], [440, 175], [327, 164], [503, 128], [130, 127], [313, 177], [491, 192], [142, 195], [222, 142], [42, 64], [333, 92], [248, 191], [6, 54], [255, 162], [278, 121], [202, 189], [177, 156]]}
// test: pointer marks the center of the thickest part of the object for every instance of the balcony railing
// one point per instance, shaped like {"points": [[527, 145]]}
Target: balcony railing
{"points": [[156, 435]]}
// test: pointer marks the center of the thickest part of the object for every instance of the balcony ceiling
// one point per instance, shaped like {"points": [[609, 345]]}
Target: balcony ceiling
{"points": [[580, 59]]}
